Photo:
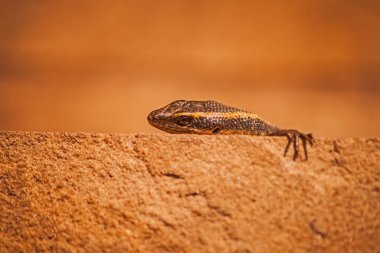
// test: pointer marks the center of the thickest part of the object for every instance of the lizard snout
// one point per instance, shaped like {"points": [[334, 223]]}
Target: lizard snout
{"points": [[152, 116]]}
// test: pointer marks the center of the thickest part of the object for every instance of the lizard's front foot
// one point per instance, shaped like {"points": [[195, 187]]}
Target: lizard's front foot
{"points": [[293, 137]]}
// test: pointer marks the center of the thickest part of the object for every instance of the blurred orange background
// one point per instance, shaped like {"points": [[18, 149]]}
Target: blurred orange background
{"points": [[102, 66]]}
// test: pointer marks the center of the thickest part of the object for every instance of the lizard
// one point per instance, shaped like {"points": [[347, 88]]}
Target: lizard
{"points": [[211, 118]]}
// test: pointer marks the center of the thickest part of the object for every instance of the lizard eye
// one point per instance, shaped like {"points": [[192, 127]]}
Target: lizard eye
{"points": [[184, 120]]}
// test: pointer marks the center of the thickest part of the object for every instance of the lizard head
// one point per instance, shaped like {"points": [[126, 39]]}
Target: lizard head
{"points": [[178, 117]]}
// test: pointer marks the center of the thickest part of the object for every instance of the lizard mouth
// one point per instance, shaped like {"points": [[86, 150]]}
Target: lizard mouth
{"points": [[168, 126], [156, 120]]}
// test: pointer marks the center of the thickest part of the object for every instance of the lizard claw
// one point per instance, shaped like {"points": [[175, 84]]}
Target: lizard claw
{"points": [[294, 136]]}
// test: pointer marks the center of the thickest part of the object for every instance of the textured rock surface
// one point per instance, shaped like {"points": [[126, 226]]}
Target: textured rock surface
{"points": [[111, 192]]}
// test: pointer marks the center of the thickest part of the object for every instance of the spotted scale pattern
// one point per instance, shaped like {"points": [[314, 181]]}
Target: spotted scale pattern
{"points": [[208, 117], [211, 117]]}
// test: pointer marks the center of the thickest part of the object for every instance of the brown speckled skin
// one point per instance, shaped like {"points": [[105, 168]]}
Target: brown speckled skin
{"points": [[211, 117]]}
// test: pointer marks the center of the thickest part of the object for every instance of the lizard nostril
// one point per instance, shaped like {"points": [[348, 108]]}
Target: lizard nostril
{"points": [[151, 116], [154, 116]]}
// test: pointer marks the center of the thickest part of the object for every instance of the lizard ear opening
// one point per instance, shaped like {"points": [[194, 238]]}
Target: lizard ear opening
{"points": [[216, 130]]}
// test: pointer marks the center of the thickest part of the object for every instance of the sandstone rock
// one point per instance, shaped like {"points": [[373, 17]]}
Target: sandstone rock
{"points": [[77, 192]]}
